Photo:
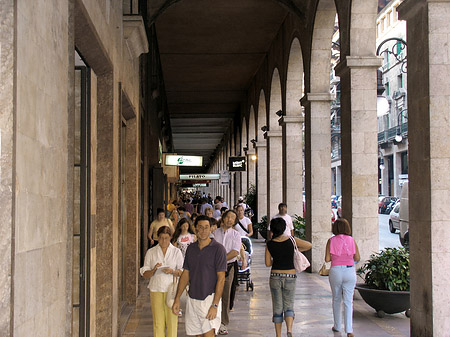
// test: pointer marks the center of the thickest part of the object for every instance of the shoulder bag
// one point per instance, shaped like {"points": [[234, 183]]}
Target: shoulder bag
{"points": [[324, 271], [300, 260], [172, 292]]}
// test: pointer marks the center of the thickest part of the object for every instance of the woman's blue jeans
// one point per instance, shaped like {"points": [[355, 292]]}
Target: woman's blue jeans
{"points": [[342, 281], [282, 288]]}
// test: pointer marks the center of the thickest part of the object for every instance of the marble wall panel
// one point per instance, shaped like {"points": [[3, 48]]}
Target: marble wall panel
{"points": [[41, 166], [6, 159]]}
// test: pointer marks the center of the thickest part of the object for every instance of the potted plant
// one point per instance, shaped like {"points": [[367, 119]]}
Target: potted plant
{"points": [[386, 281], [250, 199], [299, 226]]}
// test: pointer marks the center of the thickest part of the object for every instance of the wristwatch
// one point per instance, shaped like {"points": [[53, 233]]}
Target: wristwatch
{"points": [[215, 306]]}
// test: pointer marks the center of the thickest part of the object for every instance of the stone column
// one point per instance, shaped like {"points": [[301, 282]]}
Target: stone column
{"points": [[131, 281], [107, 204], [244, 177], [261, 150], [251, 167], [274, 171], [293, 163], [318, 178], [7, 53], [360, 149], [429, 162]]}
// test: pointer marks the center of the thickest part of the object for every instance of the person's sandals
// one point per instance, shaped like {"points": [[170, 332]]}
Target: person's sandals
{"points": [[289, 334], [223, 330], [334, 329], [350, 334]]}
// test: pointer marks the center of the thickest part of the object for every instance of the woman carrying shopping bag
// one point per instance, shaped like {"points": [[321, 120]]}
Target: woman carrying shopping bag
{"points": [[161, 265], [343, 252], [280, 256]]}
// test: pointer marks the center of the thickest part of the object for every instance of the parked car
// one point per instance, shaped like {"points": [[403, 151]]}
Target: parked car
{"points": [[404, 215], [394, 218], [391, 206], [380, 199], [384, 204]]}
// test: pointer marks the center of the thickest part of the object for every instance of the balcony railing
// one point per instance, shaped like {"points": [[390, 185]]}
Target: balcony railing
{"points": [[389, 134]]}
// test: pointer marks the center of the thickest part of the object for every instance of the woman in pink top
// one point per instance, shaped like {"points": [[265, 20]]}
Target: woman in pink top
{"points": [[342, 251]]}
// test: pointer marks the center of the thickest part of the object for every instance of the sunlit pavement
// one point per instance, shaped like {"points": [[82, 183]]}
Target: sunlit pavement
{"points": [[386, 238], [253, 310]]}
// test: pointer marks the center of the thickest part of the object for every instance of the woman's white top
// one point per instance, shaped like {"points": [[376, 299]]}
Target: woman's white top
{"points": [[245, 222], [160, 281], [184, 241]]}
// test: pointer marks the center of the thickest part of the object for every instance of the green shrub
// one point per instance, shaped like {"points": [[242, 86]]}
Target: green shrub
{"points": [[299, 226], [387, 270]]}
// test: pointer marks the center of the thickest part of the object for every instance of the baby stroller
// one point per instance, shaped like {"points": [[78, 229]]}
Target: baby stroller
{"points": [[244, 275]]}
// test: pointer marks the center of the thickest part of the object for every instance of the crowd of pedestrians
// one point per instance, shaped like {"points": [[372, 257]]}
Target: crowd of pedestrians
{"points": [[194, 264]]}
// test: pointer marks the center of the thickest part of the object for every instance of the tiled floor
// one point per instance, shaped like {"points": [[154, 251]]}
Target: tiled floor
{"points": [[253, 310]]}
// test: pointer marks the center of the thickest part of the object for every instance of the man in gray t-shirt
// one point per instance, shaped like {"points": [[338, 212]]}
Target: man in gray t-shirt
{"points": [[204, 266]]}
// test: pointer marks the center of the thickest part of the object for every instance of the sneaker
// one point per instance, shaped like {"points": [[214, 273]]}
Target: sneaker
{"points": [[223, 330]]}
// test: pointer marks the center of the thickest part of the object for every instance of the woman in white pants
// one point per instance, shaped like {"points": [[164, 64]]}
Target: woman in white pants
{"points": [[342, 251]]}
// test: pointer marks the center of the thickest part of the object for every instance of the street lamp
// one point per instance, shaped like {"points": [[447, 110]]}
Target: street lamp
{"points": [[382, 167]]}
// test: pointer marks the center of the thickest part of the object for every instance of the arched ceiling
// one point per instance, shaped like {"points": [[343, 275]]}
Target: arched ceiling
{"points": [[210, 51]]}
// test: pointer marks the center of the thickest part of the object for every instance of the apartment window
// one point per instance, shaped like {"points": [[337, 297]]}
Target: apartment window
{"points": [[404, 160], [386, 59], [387, 89], [400, 81]]}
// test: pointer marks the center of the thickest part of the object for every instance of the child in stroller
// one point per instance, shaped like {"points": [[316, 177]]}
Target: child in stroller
{"points": [[244, 271]]}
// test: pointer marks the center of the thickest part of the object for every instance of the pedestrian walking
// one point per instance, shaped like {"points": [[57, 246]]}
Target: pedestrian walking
{"points": [[244, 225], [156, 224], [183, 236], [282, 213], [161, 264], [204, 270], [280, 256], [342, 251], [231, 240]]}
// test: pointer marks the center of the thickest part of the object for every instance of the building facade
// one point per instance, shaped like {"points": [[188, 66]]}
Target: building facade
{"points": [[393, 123]]}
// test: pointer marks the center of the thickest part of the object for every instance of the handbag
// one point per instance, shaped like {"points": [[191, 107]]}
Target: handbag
{"points": [[243, 228], [172, 292], [324, 271], [300, 260]]}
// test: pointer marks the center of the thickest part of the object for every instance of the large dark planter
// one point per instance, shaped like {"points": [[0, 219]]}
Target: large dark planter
{"points": [[385, 301], [263, 233]]}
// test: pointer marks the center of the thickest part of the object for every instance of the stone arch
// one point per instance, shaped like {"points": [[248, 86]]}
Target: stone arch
{"points": [[275, 102], [262, 116], [261, 153], [321, 46], [244, 144], [294, 79], [317, 133], [274, 147], [251, 135], [292, 124], [244, 137]]}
